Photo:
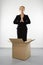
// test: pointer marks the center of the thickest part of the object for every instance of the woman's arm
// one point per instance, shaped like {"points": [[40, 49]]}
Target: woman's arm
{"points": [[16, 20], [27, 20]]}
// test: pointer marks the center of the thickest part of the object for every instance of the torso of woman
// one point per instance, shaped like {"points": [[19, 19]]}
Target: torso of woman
{"points": [[22, 25]]}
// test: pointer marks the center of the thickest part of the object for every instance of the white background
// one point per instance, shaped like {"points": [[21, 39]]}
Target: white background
{"points": [[8, 11]]}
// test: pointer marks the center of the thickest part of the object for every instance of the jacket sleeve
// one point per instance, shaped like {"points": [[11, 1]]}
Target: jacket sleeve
{"points": [[16, 20], [28, 20]]}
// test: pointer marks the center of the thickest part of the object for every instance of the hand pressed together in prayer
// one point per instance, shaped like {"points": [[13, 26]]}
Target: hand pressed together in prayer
{"points": [[22, 15]]}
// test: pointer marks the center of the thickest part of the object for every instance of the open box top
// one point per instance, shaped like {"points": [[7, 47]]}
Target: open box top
{"points": [[13, 40]]}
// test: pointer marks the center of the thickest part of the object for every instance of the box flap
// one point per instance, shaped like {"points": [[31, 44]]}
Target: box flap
{"points": [[29, 40], [13, 40]]}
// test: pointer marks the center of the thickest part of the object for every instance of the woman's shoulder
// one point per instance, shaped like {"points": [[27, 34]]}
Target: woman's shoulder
{"points": [[26, 15], [17, 15]]}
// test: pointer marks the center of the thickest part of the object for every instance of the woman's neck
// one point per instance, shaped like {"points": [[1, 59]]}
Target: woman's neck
{"points": [[22, 13]]}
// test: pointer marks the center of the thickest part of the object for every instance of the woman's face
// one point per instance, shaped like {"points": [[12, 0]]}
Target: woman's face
{"points": [[22, 10]]}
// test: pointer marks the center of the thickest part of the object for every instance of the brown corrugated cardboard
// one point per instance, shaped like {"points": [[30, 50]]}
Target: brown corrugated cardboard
{"points": [[20, 49]]}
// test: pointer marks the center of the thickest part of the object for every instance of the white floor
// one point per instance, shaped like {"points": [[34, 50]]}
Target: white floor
{"points": [[35, 59]]}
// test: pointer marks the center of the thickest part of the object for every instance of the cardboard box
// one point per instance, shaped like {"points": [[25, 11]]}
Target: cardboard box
{"points": [[20, 49]]}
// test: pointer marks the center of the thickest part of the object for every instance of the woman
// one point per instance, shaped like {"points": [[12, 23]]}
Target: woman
{"points": [[22, 20]]}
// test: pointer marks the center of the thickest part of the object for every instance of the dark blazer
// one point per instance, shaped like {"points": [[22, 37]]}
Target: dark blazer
{"points": [[22, 28], [18, 18]]}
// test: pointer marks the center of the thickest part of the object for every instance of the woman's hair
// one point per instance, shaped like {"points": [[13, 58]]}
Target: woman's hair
{"points": [[22, 7]]}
